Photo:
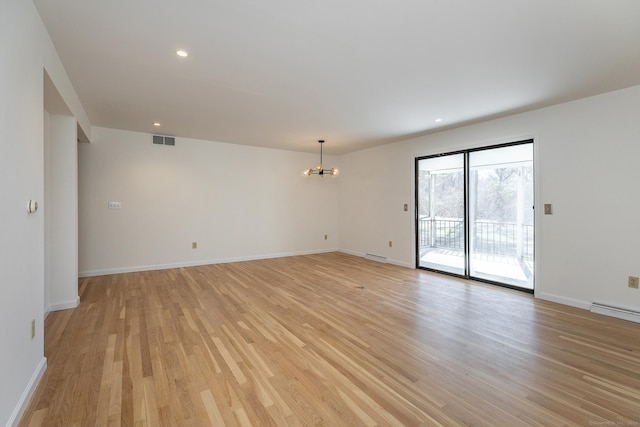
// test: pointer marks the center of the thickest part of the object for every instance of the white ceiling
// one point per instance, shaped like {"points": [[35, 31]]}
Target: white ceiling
{"points": [[358, 73]]}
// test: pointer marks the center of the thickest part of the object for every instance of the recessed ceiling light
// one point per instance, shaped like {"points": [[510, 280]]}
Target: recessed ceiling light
{"points": [[156, 123], [438, 120], [182, 53]]}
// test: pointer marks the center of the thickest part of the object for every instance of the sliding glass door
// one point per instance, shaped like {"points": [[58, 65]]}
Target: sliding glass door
{"points": [[441, 206], [475, 214], [501, 215]]}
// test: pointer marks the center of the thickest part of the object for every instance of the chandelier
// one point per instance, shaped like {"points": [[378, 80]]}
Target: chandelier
{"points": [[319, 170]]}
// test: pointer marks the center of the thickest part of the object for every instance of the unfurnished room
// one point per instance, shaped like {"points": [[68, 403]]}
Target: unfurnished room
{"points": [[293, 213]]}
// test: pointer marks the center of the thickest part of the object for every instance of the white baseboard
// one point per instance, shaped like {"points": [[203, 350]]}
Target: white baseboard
{"points": [[64, 305], [400, 263], [134, 269], [14, 419], [585, 305], [354, 253]]}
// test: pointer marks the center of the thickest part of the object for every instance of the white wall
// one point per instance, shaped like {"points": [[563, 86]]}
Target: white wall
{"points": [[46, 137], [61, 213], [25, 51], [587, 155], [236, 202], [374, 186]]}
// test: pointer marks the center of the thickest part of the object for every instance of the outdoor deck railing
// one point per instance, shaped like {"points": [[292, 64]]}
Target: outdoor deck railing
{"points": [[494, 238]]}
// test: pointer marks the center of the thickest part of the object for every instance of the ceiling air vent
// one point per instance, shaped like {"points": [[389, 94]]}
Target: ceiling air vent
{"points": [[164, 140]]}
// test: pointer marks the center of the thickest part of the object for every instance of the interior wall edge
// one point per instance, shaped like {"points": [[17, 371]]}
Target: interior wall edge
{"points": [[63, 305]]}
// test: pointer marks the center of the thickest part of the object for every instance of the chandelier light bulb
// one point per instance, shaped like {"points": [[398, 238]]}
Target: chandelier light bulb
{"points": [[319, 170]]}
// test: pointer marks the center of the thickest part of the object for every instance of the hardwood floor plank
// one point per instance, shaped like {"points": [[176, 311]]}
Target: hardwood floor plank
{"points": [[329, 340], [209, 402], [230, 361], [38, 417]]}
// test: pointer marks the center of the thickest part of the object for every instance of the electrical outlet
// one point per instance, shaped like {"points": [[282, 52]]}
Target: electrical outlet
{"points": [[114, 205], [33, 328], [194, 245], [633, 282], [326, 236], [390, 244]]}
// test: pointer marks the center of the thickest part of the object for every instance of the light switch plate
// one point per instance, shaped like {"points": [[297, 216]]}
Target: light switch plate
{"points": [[548, 209]]}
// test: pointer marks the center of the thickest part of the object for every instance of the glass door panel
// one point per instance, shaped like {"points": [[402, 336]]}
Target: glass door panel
{"points": [[501, 215], [441, 231]]}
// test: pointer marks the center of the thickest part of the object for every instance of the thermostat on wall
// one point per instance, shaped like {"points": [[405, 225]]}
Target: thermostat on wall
{"points": [[32, 206]]}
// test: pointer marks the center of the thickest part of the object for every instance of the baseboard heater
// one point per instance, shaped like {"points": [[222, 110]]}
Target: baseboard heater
{"points": [[620, 313], [378, 258]]}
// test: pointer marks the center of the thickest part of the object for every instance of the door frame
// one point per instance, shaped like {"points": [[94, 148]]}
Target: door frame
{"points": [[467, 227]]}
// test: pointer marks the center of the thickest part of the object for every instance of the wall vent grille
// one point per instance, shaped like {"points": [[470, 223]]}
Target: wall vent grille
{"points": [[619, 312], [164, 140]]}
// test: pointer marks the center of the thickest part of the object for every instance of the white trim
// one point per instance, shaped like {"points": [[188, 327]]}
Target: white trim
{"points": [[350, 252], [565, 301], [389, 261], [134, 269], [14, 419], [65, 305], [399, 263]]}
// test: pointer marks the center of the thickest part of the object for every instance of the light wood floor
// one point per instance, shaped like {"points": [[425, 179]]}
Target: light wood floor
{"points": [[331, 340]]}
